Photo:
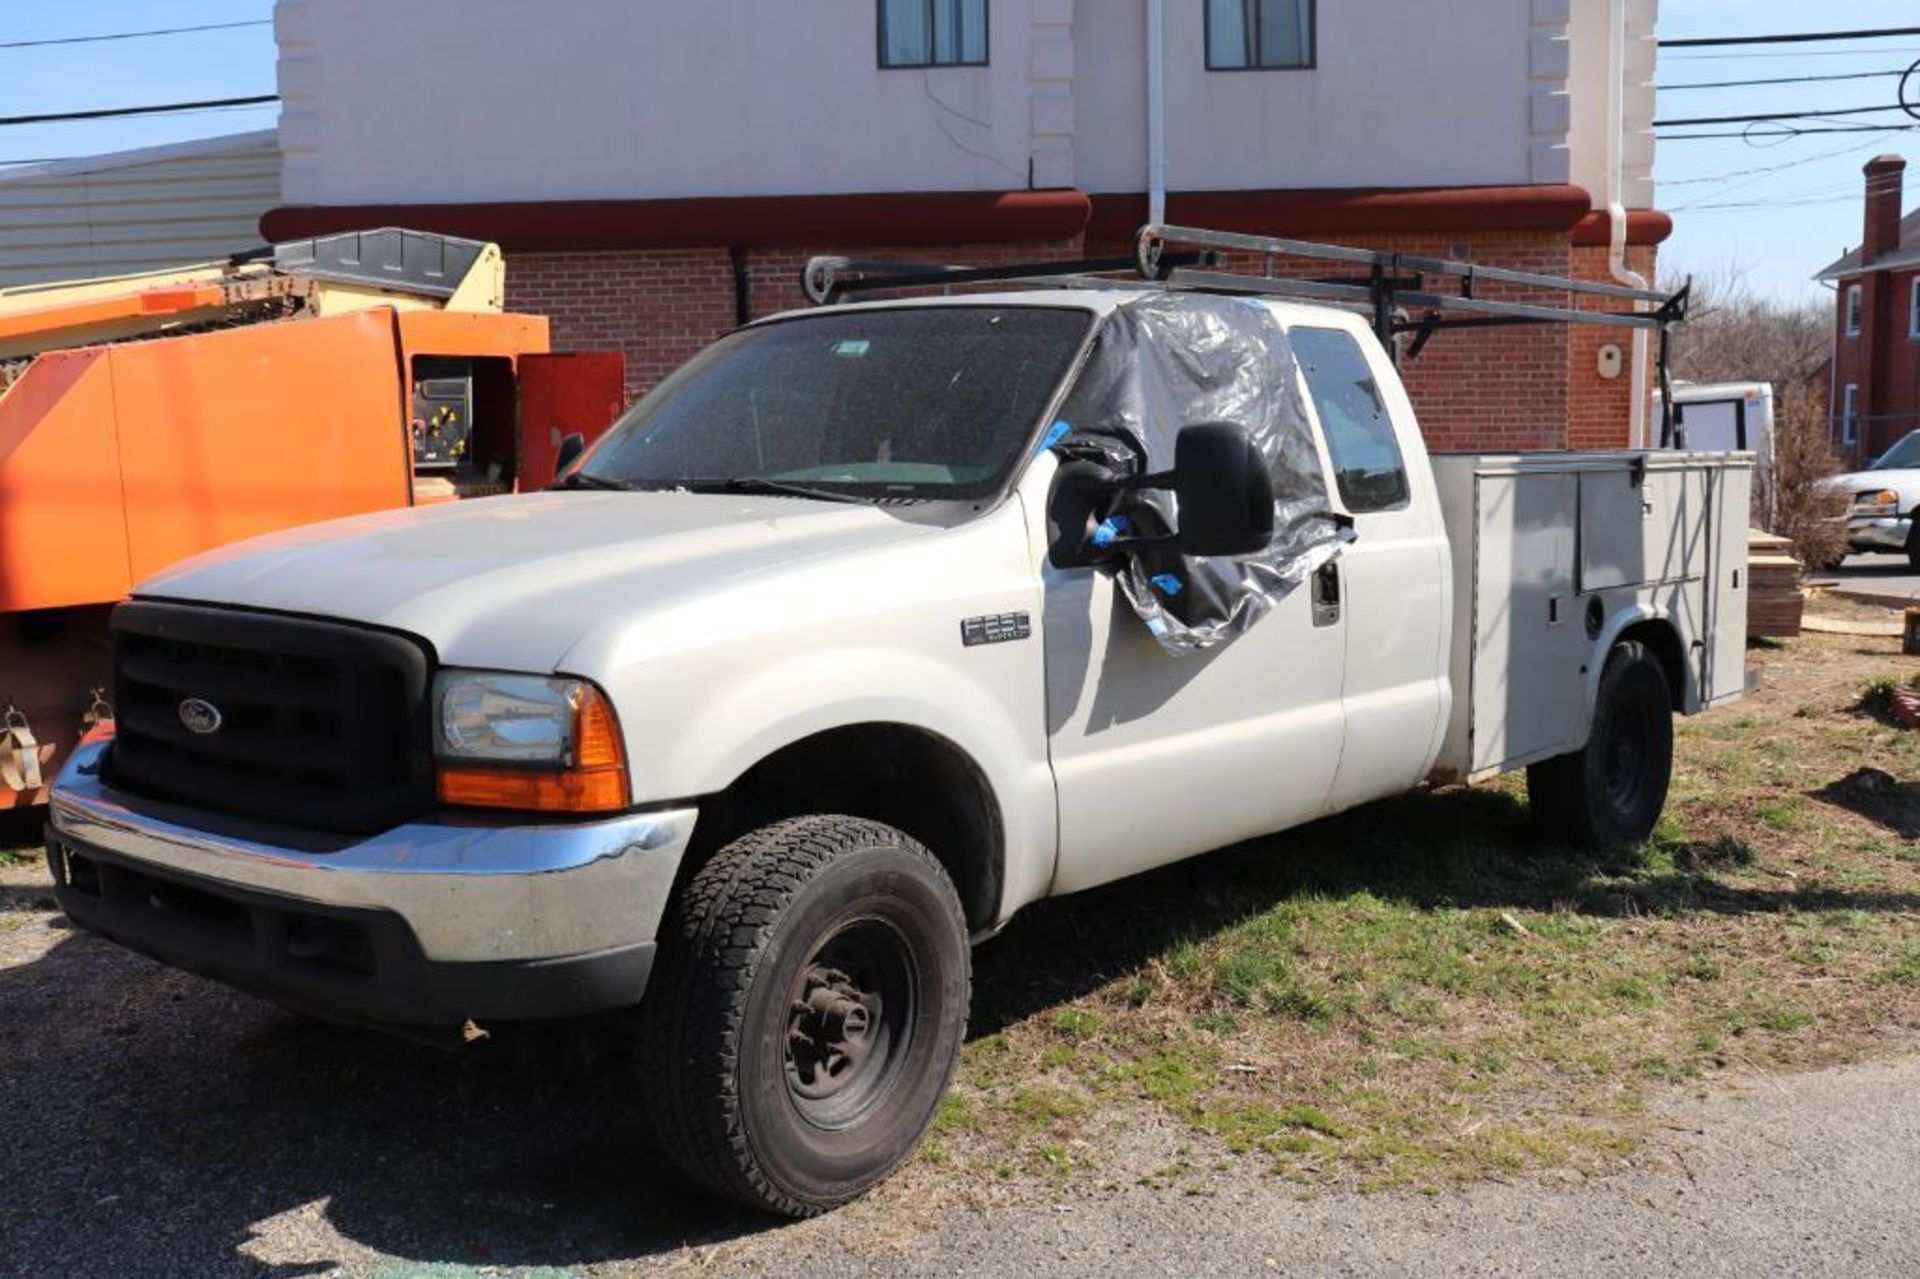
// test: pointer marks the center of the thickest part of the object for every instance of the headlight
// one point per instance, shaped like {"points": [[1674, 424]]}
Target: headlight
{"points": [[1884, 502], [527, 741]]}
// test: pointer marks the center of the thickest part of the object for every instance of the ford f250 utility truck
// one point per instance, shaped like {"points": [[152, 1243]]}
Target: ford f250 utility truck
{"points": [[870, 626]]}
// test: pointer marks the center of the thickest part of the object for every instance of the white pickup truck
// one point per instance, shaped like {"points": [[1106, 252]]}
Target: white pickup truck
{"points": [[829, 659], [1883, 509]]}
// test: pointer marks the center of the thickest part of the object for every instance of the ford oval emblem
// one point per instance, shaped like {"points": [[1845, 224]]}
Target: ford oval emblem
{"points": [[200, 715]]}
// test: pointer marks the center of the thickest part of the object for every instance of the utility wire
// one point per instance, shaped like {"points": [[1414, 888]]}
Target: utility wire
{"points": [[1796, 53], [1843, 149], [107, 113], [1788, 131], [1792, 79], [133, 35], [1797, 37], [1773, 115]]}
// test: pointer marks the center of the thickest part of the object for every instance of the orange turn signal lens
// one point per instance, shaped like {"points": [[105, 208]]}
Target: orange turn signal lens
{"points": [[594, 782]]}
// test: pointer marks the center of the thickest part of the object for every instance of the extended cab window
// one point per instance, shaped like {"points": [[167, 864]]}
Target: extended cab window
{"points": [[1366, 456], [929, 401]]}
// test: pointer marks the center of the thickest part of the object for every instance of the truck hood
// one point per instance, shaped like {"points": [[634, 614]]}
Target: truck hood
{"points": [[1904, 480], [514, 581]]}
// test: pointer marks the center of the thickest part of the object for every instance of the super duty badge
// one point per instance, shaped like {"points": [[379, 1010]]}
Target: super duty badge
{"points": [[995, 628]]}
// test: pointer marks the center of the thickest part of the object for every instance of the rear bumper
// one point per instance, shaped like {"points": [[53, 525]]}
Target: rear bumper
{"points": [[428, 924]]}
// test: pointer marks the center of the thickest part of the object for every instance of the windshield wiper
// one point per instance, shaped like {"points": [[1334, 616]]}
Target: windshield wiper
{"points": [[581, 480], [762, 484]]}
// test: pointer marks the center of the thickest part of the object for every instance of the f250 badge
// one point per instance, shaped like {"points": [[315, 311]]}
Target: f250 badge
{"points": [[996, 628], [199, 715]]}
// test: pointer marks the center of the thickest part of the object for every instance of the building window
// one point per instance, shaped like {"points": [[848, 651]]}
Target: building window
{"points": [[1913, 308], [1853, 310], [1259, 35], [1850, 413], [933, 33]]}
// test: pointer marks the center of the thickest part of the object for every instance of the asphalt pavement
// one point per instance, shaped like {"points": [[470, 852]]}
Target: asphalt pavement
{"points": [[1873, 579]]}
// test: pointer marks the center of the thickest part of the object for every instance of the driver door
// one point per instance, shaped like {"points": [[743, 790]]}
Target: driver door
{"points": [[1157, 757]]}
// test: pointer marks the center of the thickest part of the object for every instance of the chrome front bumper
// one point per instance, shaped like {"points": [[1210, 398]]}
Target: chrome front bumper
{"points": [[1878, 533], [482, 914]]}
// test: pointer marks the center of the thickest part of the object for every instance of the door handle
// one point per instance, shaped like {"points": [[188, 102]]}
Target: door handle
{"points": [[1326, 594]]}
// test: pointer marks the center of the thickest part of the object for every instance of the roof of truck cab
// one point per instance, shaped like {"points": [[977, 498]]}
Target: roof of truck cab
{"points": [[1098, 301]]}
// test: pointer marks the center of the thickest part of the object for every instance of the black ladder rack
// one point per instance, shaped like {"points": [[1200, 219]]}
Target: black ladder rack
{"points": [[1393, 288]]}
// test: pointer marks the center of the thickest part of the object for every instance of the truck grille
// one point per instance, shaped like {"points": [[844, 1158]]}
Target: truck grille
{"points": [[311, 723]]}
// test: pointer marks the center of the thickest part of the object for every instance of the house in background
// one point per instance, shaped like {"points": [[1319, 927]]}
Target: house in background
{"points": [[658, 173], [127, 212], [1875, 396]]}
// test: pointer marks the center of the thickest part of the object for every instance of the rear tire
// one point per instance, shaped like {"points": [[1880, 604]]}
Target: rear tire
{"points": [[1612, 790], [806, 1013]]}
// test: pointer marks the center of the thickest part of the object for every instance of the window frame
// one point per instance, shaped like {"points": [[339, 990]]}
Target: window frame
{"points": [[1850, 413], [880, 40], [1326, 433], [1313, 40], [1913, 309], [1855, 312]]}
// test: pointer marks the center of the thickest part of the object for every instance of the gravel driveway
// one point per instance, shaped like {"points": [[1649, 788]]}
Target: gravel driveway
{"points": [[151, 1123]]}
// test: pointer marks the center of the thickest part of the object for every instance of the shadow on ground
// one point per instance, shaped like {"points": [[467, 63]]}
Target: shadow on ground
{"points": [[1879, 797], [164, 1124]]}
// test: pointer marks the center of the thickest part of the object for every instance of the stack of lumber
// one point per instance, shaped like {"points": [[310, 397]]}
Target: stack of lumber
{"points": [[1773, 586]]}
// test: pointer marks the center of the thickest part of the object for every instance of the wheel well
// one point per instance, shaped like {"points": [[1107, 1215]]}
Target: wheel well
{"points": [[1660, 639], [910, 779]]}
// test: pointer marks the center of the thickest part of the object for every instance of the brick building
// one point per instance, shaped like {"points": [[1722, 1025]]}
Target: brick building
{"points": [[658, 172], [1875, 393]]}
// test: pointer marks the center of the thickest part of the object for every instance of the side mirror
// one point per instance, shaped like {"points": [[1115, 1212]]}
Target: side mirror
{"points": [[1222, 483], [1225, 491], [571, 448]]}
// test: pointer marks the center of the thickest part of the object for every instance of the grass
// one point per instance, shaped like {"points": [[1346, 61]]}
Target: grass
{"points": [[1419, 993]]}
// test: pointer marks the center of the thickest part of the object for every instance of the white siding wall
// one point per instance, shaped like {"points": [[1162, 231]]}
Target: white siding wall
{"points": [[1405, 93], [464, 100], [136, 210]]}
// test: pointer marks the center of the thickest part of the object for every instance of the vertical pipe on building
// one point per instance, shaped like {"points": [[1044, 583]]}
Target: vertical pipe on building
{"points": [[1616, 208], [1156, 112]]}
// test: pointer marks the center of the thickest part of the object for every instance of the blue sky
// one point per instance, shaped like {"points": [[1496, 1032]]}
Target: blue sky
{"points": [[1781, 207], [80, 77]]}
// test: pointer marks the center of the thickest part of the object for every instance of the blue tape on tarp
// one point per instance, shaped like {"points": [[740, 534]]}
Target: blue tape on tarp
{"points": [[1110, 528], [1167, 584], [1055, 433]]}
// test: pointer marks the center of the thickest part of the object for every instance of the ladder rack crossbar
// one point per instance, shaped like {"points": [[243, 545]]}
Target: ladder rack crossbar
{"points": [[1154, 238]]}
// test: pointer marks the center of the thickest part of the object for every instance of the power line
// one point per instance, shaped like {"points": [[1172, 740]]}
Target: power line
{"points": [[1788, 131], [1841, 150], [1794, 53], [108, 113], [1763, 116], [1792, 79], [1798, 37], [134, 35]]}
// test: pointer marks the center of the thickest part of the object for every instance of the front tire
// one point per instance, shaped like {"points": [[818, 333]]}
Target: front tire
{"points": [[1612, 790], [806, 1013]]}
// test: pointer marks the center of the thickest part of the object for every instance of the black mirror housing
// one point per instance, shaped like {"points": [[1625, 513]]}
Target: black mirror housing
{"points": [[1225, 491], [571, 447]]}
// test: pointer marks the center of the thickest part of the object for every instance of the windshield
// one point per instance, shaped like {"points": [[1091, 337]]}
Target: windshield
{"points": [[928, 402], [1904, 454]]}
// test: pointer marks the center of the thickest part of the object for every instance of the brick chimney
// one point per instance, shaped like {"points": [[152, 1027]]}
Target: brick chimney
{"points": [[1884, 176]]}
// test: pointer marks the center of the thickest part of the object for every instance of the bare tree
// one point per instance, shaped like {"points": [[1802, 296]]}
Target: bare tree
{"points": [[1733, 335]]}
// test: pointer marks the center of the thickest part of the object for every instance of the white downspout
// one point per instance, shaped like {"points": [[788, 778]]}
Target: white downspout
{"points": [[1156, 113], [1616, 208]]}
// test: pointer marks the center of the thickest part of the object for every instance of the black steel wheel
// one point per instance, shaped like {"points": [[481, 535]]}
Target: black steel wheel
{"points": [[806, 1012], [1612, 790]]}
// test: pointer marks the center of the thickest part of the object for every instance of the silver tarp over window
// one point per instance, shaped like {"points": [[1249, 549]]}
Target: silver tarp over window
{"points": [[1174, 359]]}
